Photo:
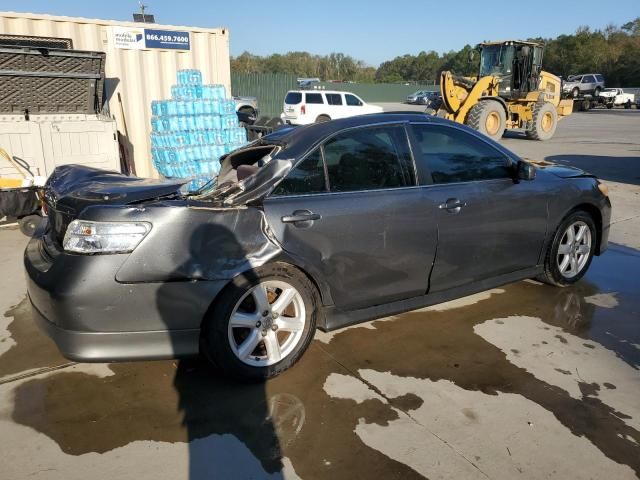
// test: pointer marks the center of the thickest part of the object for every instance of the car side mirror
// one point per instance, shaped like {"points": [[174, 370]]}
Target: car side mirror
{"points": [[525, 171]]}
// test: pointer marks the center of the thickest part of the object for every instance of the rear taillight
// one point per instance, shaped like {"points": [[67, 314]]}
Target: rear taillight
{"points": [[303, 109]]}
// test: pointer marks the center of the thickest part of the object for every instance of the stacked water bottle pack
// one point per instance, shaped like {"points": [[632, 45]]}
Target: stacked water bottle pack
{"points": [[193, 130]]}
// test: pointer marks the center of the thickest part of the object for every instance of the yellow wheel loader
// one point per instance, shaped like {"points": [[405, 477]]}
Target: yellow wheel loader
{"points": [[511, 91]]}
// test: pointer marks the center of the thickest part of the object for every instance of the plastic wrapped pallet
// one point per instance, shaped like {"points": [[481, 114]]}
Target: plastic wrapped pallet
{"points": [[193, 129]]}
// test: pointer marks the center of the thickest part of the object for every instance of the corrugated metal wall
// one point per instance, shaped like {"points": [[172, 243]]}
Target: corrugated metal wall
{"points": [[140, 76], [378, 92], [269, 88]]}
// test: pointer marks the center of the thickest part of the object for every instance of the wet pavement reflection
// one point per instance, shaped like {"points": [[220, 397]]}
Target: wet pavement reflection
{"points": [[296, 416]]}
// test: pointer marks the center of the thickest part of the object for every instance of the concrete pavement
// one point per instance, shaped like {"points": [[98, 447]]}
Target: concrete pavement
{"points": [[523, 381]]}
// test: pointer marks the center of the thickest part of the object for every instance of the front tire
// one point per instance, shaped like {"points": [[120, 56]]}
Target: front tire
{"points": [[262, 323], [570, 253], [545, 121], [488, 117]]}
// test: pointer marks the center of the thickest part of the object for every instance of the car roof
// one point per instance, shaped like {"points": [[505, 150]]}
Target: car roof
{"points": [[300, 139], [320, 91]]}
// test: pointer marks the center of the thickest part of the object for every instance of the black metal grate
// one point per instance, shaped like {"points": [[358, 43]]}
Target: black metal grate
{"points": [[36, 42], [42, 80]]}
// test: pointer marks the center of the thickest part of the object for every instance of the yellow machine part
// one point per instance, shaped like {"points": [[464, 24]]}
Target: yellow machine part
{"points": [[458, 100]]}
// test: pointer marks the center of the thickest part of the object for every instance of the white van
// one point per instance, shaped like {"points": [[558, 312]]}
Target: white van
{"points": [[302, 107]]}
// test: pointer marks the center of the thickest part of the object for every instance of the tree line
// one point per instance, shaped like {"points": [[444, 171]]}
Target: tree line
{"points": [[613, 51]]}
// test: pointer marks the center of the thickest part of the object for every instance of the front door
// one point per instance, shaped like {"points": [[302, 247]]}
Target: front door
{"points": [[488, 225], [351, 213]]}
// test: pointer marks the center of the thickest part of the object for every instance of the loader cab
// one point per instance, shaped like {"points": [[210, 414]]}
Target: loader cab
{"points": [[517, 65]]}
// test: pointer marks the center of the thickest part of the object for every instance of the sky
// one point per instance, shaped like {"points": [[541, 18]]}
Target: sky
{"points": [[372, 31]]}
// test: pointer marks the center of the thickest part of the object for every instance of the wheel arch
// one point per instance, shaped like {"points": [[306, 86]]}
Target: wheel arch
{"points": [[321, 289], [593, 211], [500, 100]]}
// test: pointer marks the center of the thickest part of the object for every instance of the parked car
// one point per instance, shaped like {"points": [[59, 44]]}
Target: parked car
{"points": [[247, 105], [428, 98], [303, 107], [588, 83], [415, 96], [320, 226], [616, 97]]}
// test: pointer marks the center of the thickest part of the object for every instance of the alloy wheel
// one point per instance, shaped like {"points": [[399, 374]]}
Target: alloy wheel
{"points": [[267, 323], [574, 249]]}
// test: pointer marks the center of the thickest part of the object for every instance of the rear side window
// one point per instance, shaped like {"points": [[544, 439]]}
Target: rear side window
{"points": [[333, 98], [352, 100], [369, 159], [600, 78], [314, 98], [452, 155], [293, 98], [306, 177]]}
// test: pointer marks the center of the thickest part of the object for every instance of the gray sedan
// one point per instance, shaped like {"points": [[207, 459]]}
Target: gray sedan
{"points": [[320, 226]]}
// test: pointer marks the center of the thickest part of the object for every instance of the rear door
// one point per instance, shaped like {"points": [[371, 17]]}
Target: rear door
{"points": [[351, 214], [488, 224], [314, 105]]}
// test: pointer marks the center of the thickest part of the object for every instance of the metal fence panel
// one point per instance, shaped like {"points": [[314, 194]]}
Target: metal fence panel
{"points": [[269, 88], [377, 92]]}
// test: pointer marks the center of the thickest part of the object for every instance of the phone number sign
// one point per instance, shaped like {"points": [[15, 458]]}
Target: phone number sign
{"points": [[167, 39], [147, 38]]}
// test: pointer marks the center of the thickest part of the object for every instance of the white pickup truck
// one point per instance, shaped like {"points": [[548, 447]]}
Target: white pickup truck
{"points": [[612, 97]]}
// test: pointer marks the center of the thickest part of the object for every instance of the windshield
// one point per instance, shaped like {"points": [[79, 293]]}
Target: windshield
{"points": [[573, 78], [610, 90], [496, 60]]}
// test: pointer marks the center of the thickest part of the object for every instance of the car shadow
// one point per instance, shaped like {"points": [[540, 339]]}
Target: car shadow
{"points": [[212, 405], [612, 168]]}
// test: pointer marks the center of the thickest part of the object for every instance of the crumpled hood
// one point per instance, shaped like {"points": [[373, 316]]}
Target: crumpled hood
{"points": [[77, 186], [562, 171]]}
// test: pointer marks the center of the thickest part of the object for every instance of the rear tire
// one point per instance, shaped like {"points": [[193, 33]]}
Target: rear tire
{"points": [[231, 323], [556, 271], [545, 121], [628, 105], [488, 117], [323, 118]]}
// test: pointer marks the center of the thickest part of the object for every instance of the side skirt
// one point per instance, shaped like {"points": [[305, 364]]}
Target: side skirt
{"points": [[334, 318]]}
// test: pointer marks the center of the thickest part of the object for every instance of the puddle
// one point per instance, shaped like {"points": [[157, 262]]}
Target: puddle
{"points": [[30, 349], [295, 417]]}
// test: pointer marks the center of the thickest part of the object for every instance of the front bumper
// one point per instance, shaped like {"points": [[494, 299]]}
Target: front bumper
{"points": [[92, 317], [118, 346]]}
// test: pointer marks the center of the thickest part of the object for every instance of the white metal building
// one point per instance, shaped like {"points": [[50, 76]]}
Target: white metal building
{"points": [[141, 64]]}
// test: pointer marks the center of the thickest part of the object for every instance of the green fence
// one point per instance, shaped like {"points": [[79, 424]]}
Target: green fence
{"points": [[378, 92], [269, 88]]}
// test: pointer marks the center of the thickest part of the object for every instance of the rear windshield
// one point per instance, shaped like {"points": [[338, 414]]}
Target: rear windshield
{"points": [[293, 98]]}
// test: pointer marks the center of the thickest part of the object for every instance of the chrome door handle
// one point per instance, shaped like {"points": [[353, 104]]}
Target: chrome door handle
{"points": [[452, 205], [300, 216]]}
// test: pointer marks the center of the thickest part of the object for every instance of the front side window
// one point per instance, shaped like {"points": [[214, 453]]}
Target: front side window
{"points": [[334, 98], [307, 177], [369, 159], [588, 79], [352, 100], [315, 98], [453, 155]]}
